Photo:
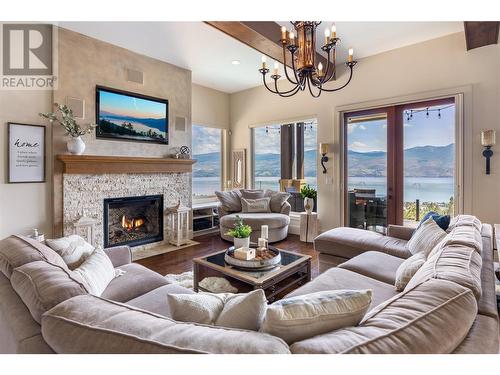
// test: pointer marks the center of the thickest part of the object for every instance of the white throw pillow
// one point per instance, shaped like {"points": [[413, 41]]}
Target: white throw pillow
{"points": [[426, 237], [73, 249], [407, 269], [97, 272], [301, 317], [244, 311], [256, 205]]}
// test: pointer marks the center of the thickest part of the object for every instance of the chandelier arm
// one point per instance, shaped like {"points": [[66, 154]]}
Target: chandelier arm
{"points": [[283, 92], [296, 82], [341, 87], [310, 89], [297, 88], [294, 70], [329, 74], [267, 87], [327, 68]]}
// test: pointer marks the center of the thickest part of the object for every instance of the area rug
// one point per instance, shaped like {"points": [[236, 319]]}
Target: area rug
{"points": [[146, 252], [213, 284]]}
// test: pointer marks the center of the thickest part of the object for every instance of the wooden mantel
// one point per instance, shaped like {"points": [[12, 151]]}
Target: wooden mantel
{"points": [[94, 164]]}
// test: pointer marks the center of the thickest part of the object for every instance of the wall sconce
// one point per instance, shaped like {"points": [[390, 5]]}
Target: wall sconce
{"points": [[488, 140], [324, 148]]}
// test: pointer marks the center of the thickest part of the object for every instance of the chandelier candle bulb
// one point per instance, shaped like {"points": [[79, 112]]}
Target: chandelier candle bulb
{"points": [[351, 53], [292, 37], [264, 59], [283, 33], [327, 36], [320, 69], [276, 68], [334, 31]]}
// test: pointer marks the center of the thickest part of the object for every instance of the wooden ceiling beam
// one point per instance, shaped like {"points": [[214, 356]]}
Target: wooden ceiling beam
{"points": [[480, 34], [262, 36]]}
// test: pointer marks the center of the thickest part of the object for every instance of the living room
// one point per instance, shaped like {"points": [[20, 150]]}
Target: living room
{"points": [[182, 186]]}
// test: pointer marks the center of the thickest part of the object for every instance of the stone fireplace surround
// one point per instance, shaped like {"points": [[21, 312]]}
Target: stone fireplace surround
{"points": [[84, 194]]}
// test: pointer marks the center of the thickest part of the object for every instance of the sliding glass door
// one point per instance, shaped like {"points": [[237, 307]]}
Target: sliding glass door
{"points": [[399, 164]]}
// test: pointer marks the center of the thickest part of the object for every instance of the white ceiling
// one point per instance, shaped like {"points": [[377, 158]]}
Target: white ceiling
{"points": [[208, 53]]}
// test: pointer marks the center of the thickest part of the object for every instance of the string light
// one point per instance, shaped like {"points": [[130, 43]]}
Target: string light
{"points": [[409, 113]]}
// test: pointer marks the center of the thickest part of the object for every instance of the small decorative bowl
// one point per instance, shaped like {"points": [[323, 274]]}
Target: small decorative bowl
{"points": [[253, 264]]}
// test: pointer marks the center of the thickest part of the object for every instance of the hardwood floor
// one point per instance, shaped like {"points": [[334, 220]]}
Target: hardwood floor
{"points": [[181, 260]]}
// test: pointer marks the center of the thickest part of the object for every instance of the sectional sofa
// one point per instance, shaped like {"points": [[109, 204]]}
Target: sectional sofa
{"points": [[448, 306]]}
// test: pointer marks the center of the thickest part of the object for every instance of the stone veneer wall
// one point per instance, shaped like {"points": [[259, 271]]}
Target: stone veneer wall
{"points": [[84, 194]]}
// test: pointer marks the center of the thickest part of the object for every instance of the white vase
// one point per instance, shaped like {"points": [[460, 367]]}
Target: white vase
{"points": [[241, 242], [308, 205], [76, 146]]}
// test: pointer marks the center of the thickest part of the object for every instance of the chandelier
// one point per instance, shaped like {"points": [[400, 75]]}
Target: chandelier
{"points": [[303, 60]]}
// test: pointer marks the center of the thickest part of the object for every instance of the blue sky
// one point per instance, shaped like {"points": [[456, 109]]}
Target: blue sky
{"points": [[419, 131], [129, 106], [206, 140]]}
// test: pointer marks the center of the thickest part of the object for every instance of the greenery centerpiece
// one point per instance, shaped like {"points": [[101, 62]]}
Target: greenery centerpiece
{"points": [[240, 233], [309, 195], [67, 120]]}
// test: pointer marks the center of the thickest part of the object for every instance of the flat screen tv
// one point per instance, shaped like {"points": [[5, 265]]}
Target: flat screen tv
{"points": [[122, 115]]}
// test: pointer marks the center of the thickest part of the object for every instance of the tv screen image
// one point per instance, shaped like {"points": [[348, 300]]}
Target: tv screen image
{"points": [[127, 116]]}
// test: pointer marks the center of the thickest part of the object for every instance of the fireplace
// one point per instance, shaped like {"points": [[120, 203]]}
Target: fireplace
{"points": [[133, 221]]}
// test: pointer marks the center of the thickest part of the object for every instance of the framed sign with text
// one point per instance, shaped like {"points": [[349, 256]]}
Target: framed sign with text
{"points": [[26, 153]]}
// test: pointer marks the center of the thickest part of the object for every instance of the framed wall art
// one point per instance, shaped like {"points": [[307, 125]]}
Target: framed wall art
{"points": [[26, 153]]}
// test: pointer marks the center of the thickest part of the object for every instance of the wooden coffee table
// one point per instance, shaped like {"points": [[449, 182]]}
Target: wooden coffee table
{"points": [[293, 271]]}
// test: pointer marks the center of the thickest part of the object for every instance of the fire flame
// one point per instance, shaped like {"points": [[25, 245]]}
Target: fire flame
{"points": [[131, 224]]}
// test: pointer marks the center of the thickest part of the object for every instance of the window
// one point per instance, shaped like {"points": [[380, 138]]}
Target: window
{"points": [[298, 159], [207, 171], [400, 162]]}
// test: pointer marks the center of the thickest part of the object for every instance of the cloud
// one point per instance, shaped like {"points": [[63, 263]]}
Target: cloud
{"points": [[358, 145], [362, 127]]}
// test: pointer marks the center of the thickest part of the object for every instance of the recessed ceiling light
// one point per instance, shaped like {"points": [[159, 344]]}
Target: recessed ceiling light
{"points": [[235, 62]]}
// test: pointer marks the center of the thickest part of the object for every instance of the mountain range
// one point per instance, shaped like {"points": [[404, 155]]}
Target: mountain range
{"points": [[421, 161], [156, 123]]}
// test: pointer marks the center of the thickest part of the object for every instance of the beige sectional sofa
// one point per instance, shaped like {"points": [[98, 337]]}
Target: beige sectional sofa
{"points": [[449, 306]]}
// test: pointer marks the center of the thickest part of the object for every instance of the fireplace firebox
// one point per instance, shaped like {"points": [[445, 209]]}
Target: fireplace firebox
{"points": [[133, 221]]}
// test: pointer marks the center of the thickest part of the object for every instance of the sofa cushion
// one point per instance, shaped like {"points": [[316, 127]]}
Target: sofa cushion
{"points": [[156, 300], [229, 200], [252, 194], [89, 324], [464, 220], [349, 242], [338, 278], [465, 235], [255, 220], [20, 333], [244, 310], [136, 281], [262, 205], [433, 317], [96, 271], [73, 249], [374, 264], [482, 338], [443, 221], [456, 263], [300, 317], [426, 237], [408, 269], [18, 250], [278, 198], [487, 304], [41, 286]]}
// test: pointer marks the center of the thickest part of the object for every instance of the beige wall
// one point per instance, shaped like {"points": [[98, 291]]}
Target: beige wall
{"points": [[422, 68], [85, 62], [210, 107], [24, 206]]}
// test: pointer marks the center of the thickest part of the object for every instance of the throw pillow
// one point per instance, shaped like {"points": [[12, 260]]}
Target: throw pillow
{"points": [[256, 205], [407, 269], [442, 220], [73, 249], [426, 237], [243, 311], [278, 198], [252, 194], [230, 201], [97, 272], [301, 317]]}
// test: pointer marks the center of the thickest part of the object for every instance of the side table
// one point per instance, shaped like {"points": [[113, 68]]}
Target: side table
{"points": [[308, 226]]}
